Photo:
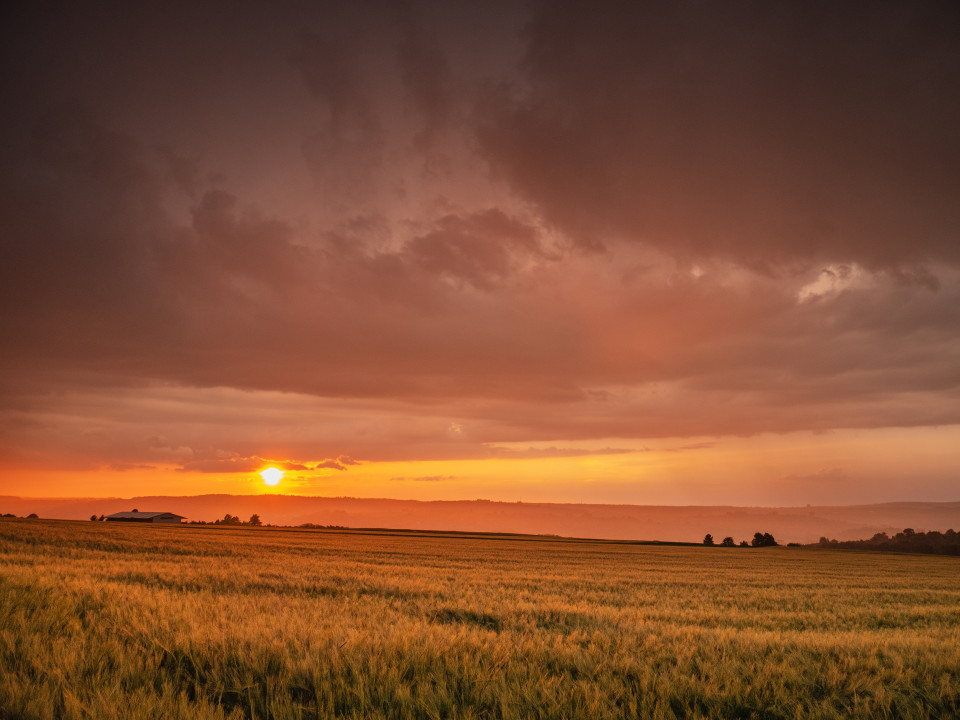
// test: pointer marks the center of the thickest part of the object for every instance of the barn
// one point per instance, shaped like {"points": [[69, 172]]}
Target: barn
{"points": [[147, 517]]}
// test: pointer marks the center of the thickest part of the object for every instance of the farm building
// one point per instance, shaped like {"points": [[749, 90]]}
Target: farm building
{"points": [[149, 517]]}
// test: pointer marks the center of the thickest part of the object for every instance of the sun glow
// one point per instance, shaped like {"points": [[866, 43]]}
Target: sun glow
{"points": [[271, 476]]}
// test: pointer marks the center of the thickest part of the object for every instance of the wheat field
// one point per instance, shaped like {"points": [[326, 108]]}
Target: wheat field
{"points": [[110, 620]]}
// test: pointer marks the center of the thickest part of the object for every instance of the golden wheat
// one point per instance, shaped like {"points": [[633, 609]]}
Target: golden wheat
{"points": [[105, 620]]}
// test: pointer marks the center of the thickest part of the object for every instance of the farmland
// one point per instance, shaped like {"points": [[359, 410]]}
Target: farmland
{"points": [[115, 620]]}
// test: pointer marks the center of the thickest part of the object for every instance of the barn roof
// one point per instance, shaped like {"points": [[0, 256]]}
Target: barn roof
{"points": [[134, 515]]}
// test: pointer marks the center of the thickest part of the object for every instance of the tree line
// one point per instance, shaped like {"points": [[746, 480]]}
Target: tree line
{"points": [[229, 519], [908, 540], [759, 540]]}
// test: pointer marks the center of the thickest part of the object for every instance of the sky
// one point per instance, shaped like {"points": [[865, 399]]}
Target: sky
{"points": [[656, 252]]}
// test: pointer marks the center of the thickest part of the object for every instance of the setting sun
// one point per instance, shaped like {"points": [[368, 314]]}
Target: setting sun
{"points": [[271, 476]]}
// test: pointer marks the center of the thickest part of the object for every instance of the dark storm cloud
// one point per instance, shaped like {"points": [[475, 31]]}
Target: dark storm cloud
{"points": [[425, 75], [227, 246], [80, 211], [480, 249], [112, 284], [763, 132], [347, 149], [103, 277], [298, 206]]}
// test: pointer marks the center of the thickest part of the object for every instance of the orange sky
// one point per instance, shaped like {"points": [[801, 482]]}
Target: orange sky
{"points": [[847, 466], [650, 254]]}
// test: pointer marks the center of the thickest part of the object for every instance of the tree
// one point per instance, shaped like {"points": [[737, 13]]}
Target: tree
{"points": [[744, 543], [33, 516], [727, 542], [708, 539], [254, 520], [93, 518], [763, 540]]}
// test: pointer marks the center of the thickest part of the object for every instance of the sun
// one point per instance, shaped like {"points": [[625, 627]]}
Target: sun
{"points": [[271, 476]]}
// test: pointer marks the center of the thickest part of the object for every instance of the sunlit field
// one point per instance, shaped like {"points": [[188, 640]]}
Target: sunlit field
{"points": [[104, 620]]}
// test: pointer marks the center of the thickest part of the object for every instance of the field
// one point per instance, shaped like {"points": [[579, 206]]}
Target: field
{"points": [[104, 620]]}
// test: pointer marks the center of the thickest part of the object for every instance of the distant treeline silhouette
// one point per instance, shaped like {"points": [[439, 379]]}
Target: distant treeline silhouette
{"points": [[229, 519], [910, 541], [759, 540]]}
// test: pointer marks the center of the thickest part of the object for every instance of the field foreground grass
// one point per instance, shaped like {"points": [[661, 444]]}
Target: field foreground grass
{"points": [[103, 620]]}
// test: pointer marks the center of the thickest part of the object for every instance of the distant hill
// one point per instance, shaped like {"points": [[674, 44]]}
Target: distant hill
{"points": [[620, 522]]}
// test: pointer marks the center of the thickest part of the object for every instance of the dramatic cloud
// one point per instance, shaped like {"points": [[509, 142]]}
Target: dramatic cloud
{"points": [[767, 133], [325, 238]]}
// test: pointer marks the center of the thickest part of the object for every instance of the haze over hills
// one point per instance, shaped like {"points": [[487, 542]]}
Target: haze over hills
{"points": [[622, 522]]}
